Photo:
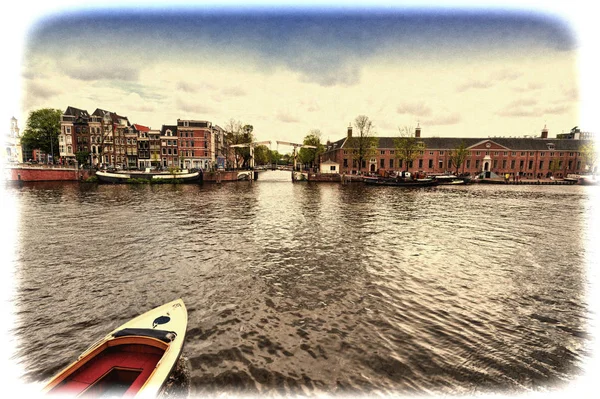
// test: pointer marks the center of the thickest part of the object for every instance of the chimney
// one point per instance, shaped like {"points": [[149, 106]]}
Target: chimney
{"points": [[350, 131], [418, 131], [545, 132]]}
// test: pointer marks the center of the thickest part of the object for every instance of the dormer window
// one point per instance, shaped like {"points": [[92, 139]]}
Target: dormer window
{"points": [[550, 146]]}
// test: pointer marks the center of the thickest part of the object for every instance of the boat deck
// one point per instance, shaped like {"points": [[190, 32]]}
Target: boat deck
{"points": [[123, 368]]}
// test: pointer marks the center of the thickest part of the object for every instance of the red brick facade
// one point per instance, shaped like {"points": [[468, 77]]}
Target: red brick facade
{"points": [[527, 157]]}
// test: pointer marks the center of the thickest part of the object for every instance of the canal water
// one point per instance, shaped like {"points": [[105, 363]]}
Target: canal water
{"points": [[309, 289]]}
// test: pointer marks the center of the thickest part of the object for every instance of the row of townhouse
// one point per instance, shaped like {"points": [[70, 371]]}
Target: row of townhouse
{"points": [[528, 157], [112, 140]]}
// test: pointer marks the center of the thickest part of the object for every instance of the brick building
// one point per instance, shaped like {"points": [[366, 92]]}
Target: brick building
{"points": [[528, 157]]}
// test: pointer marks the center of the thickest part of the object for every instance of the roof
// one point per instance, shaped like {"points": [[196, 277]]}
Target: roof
{"points": [[330, 162], [164, 129], [76, 112], [141, 128]]}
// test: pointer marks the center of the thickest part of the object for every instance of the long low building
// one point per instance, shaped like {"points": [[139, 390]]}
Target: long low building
{"points": [[528, 157]]}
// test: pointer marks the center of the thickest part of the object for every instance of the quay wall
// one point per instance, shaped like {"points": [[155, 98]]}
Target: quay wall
{"points": [[32, 174], [217, 177]]}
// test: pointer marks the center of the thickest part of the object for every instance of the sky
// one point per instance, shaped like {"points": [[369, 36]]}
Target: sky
{"points": [[456, 71]]}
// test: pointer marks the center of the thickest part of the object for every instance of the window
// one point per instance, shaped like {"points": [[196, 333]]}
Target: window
{"points": [[468, 163], [512, 164], [382, 163], [495, 164], [391, 164], [441, 164], [441, 152], [430, 164], [430, 152], [345, 163], [420, 164], [533, 153], [496, 153], [551, 154], [391, 152], [530, 164], [514, 153], [521, 164], [522, 154], [541, 164], [382, 152], [477, 164], [505, 153], [332, 168], [542, 154], [504, 164], [478, 153]]}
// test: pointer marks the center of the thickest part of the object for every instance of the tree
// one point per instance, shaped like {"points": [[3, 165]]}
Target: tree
{"points": [[459, 155], [364, 145], [262, 155], [590, 155], [408, 147], [236, 133], [42, 130], [82, 157], [309, 156], [554, 166], [275, 157]]}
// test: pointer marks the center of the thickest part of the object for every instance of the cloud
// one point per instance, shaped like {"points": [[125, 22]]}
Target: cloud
{"points": [[417, 109], [474, 84], [233, 92], [520, 108], [187, 87], [448, 119], [40, 91], [193, 107], [531, 86], [556, 109], [328, 73], [502, 75], [286, 117], [91, 71], [506, 75]]}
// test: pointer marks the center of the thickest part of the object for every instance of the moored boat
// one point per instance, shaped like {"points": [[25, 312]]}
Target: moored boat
{"points": [[449, 179], [124, 177], [134, 360], [399, 182]]}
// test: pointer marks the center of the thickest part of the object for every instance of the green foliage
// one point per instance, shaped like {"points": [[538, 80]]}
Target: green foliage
{"points": [[408, 147], [42, 129], [83, 157], [554, 165], [92, 179], [589, 154], [309, 156], [276, 157], [459, 155], [262, 155]]}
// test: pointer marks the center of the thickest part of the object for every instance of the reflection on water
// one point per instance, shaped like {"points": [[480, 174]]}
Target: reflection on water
{"points": [[306, 288]]}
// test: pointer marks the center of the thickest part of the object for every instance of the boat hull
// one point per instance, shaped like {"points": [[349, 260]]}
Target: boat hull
{"points": [[122, 178], [401, 183], [134, 360]]}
